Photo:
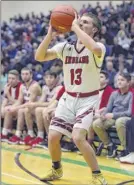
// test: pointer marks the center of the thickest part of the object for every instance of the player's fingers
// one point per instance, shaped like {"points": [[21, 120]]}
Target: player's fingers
{"points": [[76, 15]]}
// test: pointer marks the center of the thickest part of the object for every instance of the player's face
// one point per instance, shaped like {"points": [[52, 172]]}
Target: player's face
{"points": [[12, 80], [102, 79], [50, 80], [122, 82], [86, 24], [26, 76]]}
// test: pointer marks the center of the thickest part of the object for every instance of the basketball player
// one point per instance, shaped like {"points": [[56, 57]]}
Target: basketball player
{"points": [[29, 92], [74, 114], [36, 109], [11, 94]]}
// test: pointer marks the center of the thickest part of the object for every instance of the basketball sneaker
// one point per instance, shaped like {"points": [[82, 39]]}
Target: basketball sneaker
{"points": [[4, 138], [27, 140], [14, 140], [53, 174], [128, 158], [36, 141], [98, 179]]}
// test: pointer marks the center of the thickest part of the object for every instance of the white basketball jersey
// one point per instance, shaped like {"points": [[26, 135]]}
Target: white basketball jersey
{"points": [[50, 92], [26, 91], [81, 68]]}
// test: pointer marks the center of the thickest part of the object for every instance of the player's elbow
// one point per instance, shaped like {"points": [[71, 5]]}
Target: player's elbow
{"points": [[38, 57], [97, 51]]}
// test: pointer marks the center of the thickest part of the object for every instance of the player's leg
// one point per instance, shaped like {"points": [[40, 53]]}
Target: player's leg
{"points": [[79, 138], [16, 139], [29, 113], [8, 121], [100, 128], [60, 125], [43, 126], [84, 118], [120, 125], [39, 121], [47, 116]]}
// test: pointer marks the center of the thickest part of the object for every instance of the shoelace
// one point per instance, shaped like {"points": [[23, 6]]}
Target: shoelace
{"points": [[52, 172], [93, 182]]}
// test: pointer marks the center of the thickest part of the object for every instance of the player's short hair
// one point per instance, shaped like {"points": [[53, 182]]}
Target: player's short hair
{"points": [[26, 69], [105, 74], [96, 21], [126, 75], [14, 72], [51, 73]]}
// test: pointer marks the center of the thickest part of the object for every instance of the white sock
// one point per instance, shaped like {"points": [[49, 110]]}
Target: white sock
{"points": [[41, 134], [18, 133], [5, 131], [31, 133]]}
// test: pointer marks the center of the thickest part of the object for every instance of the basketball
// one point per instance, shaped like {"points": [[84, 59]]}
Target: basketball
{"points": [[62, 17]]}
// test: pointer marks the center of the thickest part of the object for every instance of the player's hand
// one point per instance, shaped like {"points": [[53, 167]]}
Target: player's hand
{"points": [[102, 117], [30, 105], [52, 32], [109, 116], [6, 90], [75, 21], [12, 109]]}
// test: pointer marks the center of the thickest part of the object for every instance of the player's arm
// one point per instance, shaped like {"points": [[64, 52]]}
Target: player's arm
{"points": [[19, 102], [4, 103], [86, 39], [35, 91], [59, 91], [8, 95], [40, 102], [20, 98], [43, 53]]}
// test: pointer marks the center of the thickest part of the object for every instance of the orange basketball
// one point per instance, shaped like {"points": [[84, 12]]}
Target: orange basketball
{"points": [[62, 17]]}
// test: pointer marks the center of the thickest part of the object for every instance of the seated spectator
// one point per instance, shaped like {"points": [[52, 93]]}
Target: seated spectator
{"points": [[104, 94], [110, 70], [116, 48], [37, 109], [132, 81], [29, 92], [129, 143], [118, 112], [105, 90], [105, 34], [38, 73], [121, 60], [3, 78], [11, 94], [123, 40]]}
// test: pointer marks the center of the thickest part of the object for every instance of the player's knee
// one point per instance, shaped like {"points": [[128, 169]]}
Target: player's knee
{"points": [[78, 137], [118, 123], [38, 111], [21, 111], [54, 137], [26, 111], [44, 111], [7, 113], [95, 124]]}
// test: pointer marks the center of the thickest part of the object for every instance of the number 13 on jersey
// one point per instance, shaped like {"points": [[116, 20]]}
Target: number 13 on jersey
{"points": [[76, 76]]}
